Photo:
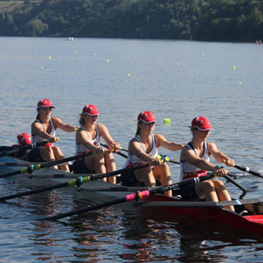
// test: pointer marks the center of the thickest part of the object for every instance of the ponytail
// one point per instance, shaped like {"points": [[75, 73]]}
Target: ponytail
{"points": [[138, 128], [81, 121]]}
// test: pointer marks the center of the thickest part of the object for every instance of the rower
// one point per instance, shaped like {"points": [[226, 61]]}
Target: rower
{"points": [[143, 148], [195, 162], [88, 139], [44, 128], [22, 140]]}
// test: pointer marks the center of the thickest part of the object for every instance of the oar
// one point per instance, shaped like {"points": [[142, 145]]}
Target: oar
{"points": [[160, 156], [228, 178], [167, 159], [115, 151], [132, 197], [25, 147], [17, 164], [77, 182], [31, 168], [248, 170]]}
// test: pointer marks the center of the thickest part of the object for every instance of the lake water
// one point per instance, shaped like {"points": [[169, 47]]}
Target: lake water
{"points": [[175, 79]]}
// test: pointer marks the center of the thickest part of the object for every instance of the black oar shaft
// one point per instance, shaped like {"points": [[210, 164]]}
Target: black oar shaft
{"points": [[124, 170], [73, 182], [87, 209], [248, 170], [131, 197], [32, 168], [36, 191], [237, 185], [23, 148], [68, 159], [24, 170], [118, 152]]}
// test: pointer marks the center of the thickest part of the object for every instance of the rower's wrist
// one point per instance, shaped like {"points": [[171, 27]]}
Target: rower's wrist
{"points": [[216, 168]]}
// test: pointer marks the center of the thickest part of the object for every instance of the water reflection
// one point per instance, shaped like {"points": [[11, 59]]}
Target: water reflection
{"points": [[114, 233], [178, 93]]}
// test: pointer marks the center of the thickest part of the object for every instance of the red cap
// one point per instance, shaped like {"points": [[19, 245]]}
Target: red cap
{"points": [[45, 103], [90, 110], [24, 139], [146, 117], [201, 123]]}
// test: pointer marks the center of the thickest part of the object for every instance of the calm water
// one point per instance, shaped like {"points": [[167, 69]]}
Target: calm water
{"points": [[174, 79]]}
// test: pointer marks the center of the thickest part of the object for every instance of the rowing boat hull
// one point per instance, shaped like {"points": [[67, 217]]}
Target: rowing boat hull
{"points": [[252, 223], [49, 176], [153, 207]]}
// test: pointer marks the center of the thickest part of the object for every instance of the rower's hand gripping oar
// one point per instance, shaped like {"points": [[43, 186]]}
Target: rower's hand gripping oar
{"points": [[25, 147], [132, 197], [79, 181], [115, 151], [31, 168], [166, 159]]}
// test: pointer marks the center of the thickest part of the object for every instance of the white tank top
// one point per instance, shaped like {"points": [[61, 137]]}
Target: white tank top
{"points": [[81, 149], [188, 170], [134, 160], [37, 138]]}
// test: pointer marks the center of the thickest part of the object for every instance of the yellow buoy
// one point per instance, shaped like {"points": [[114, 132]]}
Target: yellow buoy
{"points": [[108, 60], [41, 67], [240, 82], [167, 122], [49, 57], [177, 64], [233, 67], [128, 74]]}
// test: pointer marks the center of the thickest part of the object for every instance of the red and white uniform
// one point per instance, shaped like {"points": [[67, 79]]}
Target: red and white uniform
{"points": [[81, 149], [134, 160], [189, 171], [37, 138]]}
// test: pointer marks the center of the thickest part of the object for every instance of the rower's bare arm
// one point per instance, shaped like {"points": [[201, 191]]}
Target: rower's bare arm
{"points": [[104, 132], [172, 146], [189, 156], [82, 138], [134, 147], [63, 126], [37, 129], [220, 156]]}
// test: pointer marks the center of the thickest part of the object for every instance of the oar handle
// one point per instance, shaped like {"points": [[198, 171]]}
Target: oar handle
{"points": [[113, 150], [166, 159]]}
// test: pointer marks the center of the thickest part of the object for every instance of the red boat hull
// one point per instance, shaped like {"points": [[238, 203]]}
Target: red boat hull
{"points": [[218, 215]]}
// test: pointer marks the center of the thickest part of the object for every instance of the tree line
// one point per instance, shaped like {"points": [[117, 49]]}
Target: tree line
{"points": [[205, 20]]}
